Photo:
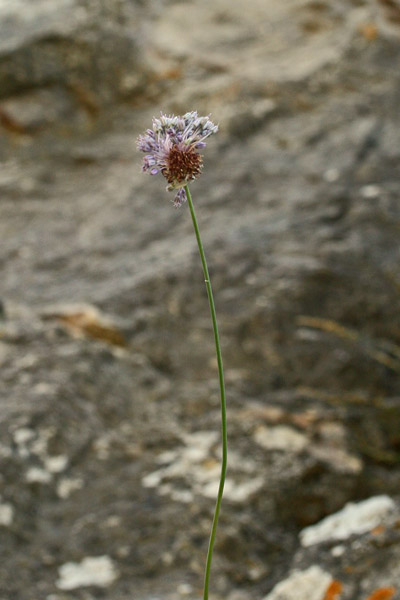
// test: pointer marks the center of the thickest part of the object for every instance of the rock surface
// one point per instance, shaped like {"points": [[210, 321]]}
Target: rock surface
{"points": [[61, 62], [109, 421]]}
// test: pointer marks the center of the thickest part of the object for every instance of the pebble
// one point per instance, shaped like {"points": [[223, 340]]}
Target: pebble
{"points": [[354, 518], [66, 486], [37, 475], [310, 584], [56, 464], [23, 435], [331, 175], [6, 514], [236, 492], [280, 437], [93, 570], [371, 191], [338, 550], [185, 589]]}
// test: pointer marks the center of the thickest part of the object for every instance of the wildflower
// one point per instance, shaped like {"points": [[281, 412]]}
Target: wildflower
{"points": [[171, 149]]}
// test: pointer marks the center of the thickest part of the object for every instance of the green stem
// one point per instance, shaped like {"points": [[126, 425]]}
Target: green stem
{"points": [[223, 398]]}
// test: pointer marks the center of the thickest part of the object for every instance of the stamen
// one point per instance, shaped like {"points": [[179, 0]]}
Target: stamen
{"points": [[183, 164]]}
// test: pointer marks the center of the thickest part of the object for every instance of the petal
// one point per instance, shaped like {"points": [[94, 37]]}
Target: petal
{"points": [[180, 198]]}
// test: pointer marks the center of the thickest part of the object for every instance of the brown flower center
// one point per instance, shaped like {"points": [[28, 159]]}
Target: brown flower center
{"points": [[184, 164]]}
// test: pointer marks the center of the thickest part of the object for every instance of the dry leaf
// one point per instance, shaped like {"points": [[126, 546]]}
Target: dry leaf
{"points": [[334, 590], [369, 31], [9, 123], [386, 593], [378, 530], [88, 322]]}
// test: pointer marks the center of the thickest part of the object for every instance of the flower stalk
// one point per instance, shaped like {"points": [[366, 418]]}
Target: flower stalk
{"points": [[171, 149], [222, 396]]}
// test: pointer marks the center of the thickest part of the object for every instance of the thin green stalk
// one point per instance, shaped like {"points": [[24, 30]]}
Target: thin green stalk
{"points": [[223, 398]]}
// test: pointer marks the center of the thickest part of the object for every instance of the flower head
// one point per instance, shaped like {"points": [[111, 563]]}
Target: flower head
{"points": [[171, 149]]}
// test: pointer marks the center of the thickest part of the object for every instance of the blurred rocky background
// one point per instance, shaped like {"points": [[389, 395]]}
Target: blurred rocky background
{"points": [[109, 420]]}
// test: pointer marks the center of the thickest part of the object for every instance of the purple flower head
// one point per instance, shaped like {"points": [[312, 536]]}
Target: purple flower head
{"points": [[171, 149]]}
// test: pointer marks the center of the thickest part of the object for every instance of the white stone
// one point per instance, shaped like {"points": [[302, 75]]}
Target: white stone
{"points": [[182, 461], [338, 550], [38, 475], [199, 443], [5, 451], [207, 472], [280, 437], [93, 570], [23, 435], [184, 496], [339, 460], [113, 521], [196, 463], [56, 464], [185, 589], [238, 492], [166, 457], [331, 175], [354, 518], [66, 486], [6, 514], [152, 479], [39, 446], [310, 584], [371, 191], [43, 388]]}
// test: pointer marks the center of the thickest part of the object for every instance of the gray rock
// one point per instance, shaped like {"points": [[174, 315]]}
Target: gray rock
{"points": [[109, 421], [364, 562], [79, 55]]}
